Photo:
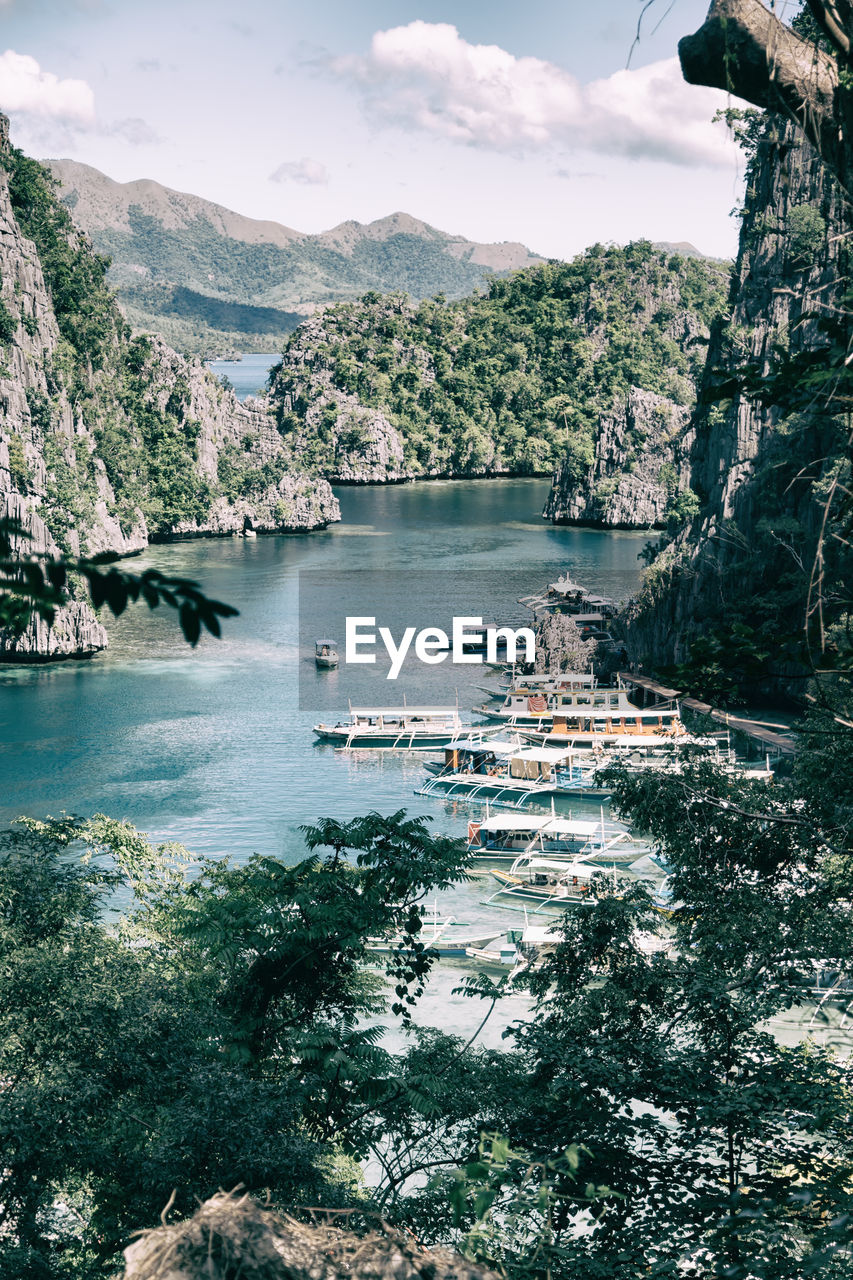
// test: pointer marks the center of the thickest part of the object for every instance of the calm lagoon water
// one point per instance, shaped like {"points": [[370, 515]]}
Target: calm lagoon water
{"points": [[247, 376], [210, 747]]}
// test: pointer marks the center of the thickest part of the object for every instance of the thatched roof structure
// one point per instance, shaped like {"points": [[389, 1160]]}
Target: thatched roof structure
{"points": [[235, 1238]]}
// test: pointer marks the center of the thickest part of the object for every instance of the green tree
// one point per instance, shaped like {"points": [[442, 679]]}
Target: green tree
{"points": [[699, 1145], [213, 1037]]}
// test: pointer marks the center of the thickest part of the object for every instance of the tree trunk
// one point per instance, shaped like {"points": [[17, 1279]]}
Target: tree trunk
{"points": [[744, 48]]}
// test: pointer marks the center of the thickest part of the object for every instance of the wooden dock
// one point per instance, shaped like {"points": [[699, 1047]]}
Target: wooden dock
{"points": [[778, 743]]}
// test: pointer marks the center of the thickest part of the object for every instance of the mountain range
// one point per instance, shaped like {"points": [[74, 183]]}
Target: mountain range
{"points": [[208, 279]]}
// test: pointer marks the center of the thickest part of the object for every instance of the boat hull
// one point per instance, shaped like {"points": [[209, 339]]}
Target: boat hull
{"points": [[388, 740], [477, 785]]}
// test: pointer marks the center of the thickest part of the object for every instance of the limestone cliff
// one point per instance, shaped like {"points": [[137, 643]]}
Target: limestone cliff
{"points": [[768, 435], [499, 383], [75, 631], [640, 467], [108, 442], [364, 447]]}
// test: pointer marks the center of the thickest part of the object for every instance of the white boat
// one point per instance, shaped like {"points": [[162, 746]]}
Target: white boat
{"points": [[509, 837], [565, 596], [396, 728], [499, 769], [438, 932], [504, 836], [552, 881], [541, 682], [584, 717], [326, 653]]}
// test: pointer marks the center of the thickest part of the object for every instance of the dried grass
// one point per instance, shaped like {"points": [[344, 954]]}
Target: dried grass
{"points": [[235, 1238]]}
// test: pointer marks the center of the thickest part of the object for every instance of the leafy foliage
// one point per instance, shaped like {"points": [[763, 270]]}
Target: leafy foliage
{"points": [[38, 585], [214, 1038], [511, 379]]}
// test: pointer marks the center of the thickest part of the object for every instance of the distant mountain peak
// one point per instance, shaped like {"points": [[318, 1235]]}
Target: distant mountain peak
{"points": [[207, 278]]}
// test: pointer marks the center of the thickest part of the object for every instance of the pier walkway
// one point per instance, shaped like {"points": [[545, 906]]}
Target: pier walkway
{"points": [[772, 741]]}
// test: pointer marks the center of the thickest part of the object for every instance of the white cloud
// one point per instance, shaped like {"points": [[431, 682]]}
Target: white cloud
{"points": [[426, 76], [308, 172], [24, 87], [137, 132]]}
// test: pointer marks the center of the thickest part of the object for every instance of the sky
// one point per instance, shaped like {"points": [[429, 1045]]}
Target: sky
{"points": [[494, 119]]}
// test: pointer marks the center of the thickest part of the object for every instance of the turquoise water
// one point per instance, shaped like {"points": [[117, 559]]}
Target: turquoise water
{"points": [[210, 747], [247, 376]]}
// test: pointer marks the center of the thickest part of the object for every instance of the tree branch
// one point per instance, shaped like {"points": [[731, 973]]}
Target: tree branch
{"points": [[833, 19], [744, 48]]}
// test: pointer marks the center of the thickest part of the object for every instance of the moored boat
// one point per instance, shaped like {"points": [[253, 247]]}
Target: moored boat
{"points": [[549, 880], [501, 770], [396, 728], [504, 836], [512, 837], [597, 715]]}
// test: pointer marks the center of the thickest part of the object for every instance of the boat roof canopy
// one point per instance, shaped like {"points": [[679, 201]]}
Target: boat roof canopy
{"points": [[545, 755], [540, 826], [579, 868], [537, 934], [513, 822], [583, 679], [398, 712], [498, 746], [568, 827], [325, 640]]}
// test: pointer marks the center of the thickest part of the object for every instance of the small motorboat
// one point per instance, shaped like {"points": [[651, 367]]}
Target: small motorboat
{"points": [[326, 653]]}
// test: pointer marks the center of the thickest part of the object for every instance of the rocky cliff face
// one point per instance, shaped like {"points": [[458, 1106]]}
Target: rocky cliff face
{"points": [[504, 382], [767, 442], [75, 631], [365, 448], [641, 464], [107, 443]]}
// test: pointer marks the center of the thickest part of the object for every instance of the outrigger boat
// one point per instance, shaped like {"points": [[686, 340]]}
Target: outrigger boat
{"points": [[437, 933], [396, 728], [500, 770], [542, 683], [511, 837], [546, 880], [504, 836], [528, 949], [598, 714], [521, 949], [565, 596]]}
